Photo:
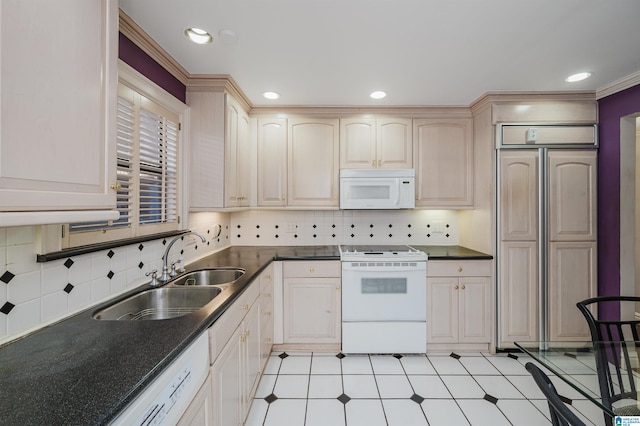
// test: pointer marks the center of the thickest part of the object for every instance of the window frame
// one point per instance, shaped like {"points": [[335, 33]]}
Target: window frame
{"points": [[135, 81]]}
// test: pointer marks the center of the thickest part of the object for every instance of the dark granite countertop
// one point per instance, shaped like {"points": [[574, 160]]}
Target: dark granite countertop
{"points": [[82, 371], [452, 253]]}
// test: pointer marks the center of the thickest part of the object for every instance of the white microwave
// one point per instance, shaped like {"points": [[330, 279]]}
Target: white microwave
{"points": [[377, 189]]}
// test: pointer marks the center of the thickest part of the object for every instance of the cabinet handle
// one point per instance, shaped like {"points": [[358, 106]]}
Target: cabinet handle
{"points": [[244, 307], [116, 186], [456, 287], [243, 338], [311, 269], [459, 268], [248, 332]]}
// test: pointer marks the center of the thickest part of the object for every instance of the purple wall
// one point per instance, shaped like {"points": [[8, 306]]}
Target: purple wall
{"points": [[145, 65], [610, 110]]}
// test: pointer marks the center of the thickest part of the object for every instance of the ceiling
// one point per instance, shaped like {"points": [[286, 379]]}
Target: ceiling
{"points": [[421, 52]]}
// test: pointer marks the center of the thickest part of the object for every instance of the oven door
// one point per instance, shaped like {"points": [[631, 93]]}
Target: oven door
{"points": [[384, 291]]}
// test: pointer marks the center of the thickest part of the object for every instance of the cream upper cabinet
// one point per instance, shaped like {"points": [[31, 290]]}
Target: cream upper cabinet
{"points": [[376, 143], [58, 119], [313, 162], [220, 154], [272, 161], [237, 155], [443, 159]]}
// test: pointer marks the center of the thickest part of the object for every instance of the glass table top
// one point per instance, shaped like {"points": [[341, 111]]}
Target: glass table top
{"points": [[575, 363]]}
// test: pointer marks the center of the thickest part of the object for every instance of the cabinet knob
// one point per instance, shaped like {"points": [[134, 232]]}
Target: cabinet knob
{"points": [[337, 287], [463, 286], [459, 268], [116, 186], [244, 307], [311, 269], [284, 198], [456, 287]]}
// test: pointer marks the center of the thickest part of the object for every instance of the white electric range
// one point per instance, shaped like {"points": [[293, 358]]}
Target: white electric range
{"points": [[384, 299]]}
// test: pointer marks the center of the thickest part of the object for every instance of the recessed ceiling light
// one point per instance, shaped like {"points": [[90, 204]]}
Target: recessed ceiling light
{"points": [[379, 94], [271, 95], [198, 35], [577, 77]]}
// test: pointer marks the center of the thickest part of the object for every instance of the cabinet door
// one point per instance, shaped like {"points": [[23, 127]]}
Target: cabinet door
{"points": [[519, 195], [266, 315], [312, 311], [572, 195], [243, 160], [572, 278], [200, 411], [227, 383], [443, 159], [252, 367], [313, 162], [231, 153], [518, 292], [358, 143], [443, 312], [475, 310], [206, 168], [58, 132], [272, 162], [394, 148]]}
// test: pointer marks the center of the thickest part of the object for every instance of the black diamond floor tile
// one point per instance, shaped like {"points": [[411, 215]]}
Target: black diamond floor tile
{"points": [[283, 355], [271, 398], [417, 398], [340, 355], [490, 398], [454, 355], [344, 398]]}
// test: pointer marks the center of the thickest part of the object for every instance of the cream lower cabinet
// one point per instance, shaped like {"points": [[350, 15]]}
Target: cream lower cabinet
{"points": [[238, 353], [459, 305], [312, 302], [200, 411]]}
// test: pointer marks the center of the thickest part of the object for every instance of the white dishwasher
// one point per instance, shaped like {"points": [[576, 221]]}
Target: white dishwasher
{"points": [[168, 396]]}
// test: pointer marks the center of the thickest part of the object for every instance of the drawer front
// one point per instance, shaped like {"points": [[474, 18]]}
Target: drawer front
{"points": [[221, 331], [459, 268], [266, 280], [320, 268]]}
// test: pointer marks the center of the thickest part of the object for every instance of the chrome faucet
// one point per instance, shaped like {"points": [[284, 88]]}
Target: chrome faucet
{"points": [[165, 257]]}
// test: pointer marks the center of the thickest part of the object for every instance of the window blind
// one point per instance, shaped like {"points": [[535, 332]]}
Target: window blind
{"points": [[147, 169]]}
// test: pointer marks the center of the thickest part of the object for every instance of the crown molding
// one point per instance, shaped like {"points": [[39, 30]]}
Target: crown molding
{"points": [[427, 111], [218, 83], [140, 38], [619, 85]]}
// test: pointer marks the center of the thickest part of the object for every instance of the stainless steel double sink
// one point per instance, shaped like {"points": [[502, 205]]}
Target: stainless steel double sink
{"points": [[183, 295]]}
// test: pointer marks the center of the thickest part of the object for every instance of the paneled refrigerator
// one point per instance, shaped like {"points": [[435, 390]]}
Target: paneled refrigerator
{"points": [[546, 231]]}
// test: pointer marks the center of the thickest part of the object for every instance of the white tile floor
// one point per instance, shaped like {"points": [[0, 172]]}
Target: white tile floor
{"points": [[309, 389]]}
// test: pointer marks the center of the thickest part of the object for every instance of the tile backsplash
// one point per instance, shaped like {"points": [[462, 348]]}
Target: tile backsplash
{"points": [[35, 294], [273, 227]]}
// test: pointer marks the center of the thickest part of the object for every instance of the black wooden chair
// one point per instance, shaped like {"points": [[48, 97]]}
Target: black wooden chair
{"points": [[561, 415], [617, 353]]}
